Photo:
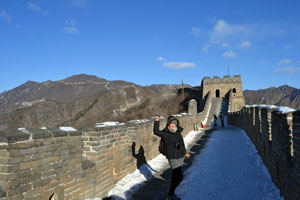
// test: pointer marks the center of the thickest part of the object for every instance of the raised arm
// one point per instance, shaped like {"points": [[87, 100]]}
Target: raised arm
{"points": [[156, 130]]}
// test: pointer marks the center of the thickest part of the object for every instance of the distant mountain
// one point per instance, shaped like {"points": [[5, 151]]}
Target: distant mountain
{"points": [[281, 96], [83, 99], [63, 91]]}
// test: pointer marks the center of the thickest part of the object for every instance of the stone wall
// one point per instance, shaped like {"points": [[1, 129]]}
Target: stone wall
{"points": [[236, 102], [276, 137], [44, 163], [36, 164]]}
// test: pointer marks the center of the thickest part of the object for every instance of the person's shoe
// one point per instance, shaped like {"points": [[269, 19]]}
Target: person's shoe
{"points": [[173, 197]]}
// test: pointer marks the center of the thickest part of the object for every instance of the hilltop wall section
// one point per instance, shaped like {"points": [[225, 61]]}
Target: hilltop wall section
{"points": [[223, 87], [42, 164], [276, 137]]}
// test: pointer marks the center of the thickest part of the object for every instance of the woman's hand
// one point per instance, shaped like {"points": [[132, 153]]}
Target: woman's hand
{"points": [[157, 117], [187, 155]]}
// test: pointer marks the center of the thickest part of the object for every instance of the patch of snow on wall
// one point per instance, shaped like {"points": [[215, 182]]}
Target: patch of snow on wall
{"points": [[106, 124], [65, 128], [281, 109]]}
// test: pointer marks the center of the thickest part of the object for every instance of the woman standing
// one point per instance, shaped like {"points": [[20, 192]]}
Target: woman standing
{"points": [[174, 150]]}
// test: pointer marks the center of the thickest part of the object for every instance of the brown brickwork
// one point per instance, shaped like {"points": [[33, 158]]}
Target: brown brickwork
{"points": [[276, 137], [38, 164]]}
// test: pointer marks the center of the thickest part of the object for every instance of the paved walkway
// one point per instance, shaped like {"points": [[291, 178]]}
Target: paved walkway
{"points": [[224, 165]]}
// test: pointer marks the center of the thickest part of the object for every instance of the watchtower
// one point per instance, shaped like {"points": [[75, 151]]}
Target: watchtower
{"points": [[221, 87]]}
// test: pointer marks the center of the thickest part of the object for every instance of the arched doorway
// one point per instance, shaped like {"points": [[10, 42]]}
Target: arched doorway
{"points": [[234, 90], [217, 93]]}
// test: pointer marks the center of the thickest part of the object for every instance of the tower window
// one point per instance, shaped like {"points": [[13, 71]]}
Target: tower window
{"points": [[217, 93]]}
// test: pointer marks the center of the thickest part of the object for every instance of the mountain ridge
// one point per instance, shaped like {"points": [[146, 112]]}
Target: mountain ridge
{"points": [[80, 100], [280, 96]]}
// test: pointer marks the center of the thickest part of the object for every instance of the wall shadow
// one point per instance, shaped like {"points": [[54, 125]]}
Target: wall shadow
{"points": [[141, 162]]}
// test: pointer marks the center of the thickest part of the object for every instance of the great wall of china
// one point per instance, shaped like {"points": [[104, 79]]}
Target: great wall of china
{"points": [[80, 164]]}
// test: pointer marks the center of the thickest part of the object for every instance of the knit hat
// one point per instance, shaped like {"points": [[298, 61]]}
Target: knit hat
{"points": [[172, 119], [174, 122]]}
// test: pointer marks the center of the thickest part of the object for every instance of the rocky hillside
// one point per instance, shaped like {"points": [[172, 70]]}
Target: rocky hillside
{"points": [[281, 96], [81, 100], [63, 91]]}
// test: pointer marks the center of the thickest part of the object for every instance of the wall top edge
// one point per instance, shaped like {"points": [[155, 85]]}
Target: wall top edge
{"points": [[18, 135], [225, 79], [280, 109], [133, 123], [25, 134]]}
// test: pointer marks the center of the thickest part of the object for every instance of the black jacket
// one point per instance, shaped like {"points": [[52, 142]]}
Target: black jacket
{"points": [[174, 147]]}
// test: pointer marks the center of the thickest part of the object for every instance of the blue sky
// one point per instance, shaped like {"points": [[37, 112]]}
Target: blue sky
{"points": [[150, 41]]}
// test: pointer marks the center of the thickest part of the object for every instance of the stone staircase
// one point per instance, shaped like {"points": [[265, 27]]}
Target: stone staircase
{"points": [[217, 106]]}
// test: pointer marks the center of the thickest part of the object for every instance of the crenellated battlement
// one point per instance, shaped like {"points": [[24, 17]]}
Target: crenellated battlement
{"points": [[275, 135], [224, 80]]}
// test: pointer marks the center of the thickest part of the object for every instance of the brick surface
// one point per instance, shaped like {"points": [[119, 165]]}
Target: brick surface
{"points": [[279, 142]]}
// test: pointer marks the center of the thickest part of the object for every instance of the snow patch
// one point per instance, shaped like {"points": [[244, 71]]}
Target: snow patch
{"points": [[284, 109], [281, 109], [139, 121], [125, 188], [207, 114], [66, 128], [106, 124]]}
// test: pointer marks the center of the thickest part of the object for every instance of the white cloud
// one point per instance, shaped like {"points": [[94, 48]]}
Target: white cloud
{"points": [[195, 31], [178, 65], [284, 61], [160, 58], [70, 22], [206, 46], [5, 17], [70, 27], [37, 8], [70, 30], [223, 32], [229, 54], [288, 70], [245, 44]]}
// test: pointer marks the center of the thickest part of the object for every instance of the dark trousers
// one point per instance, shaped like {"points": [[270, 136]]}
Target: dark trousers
{"points": [[176, 179]]}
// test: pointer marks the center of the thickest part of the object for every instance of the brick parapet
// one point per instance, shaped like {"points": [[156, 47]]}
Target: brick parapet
{"points": [[276, 138], [38, 163], [37, 166]]}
